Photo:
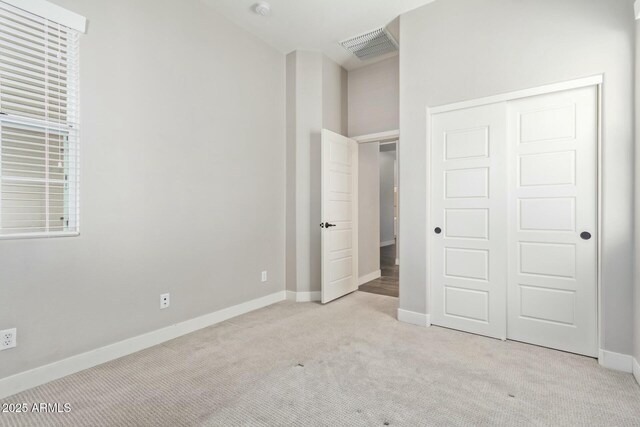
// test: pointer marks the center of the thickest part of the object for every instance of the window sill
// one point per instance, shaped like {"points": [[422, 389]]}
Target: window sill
{"points": [[39, 235]]}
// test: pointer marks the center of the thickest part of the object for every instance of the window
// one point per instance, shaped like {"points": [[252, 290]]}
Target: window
{"points": [[39, 151]]}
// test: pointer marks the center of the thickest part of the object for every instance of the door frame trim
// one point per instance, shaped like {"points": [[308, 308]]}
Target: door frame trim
{"points": [[377, 137], [596, 80]]}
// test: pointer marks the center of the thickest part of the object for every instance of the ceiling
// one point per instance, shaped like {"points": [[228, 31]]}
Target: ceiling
{"points": [[316, 25]]}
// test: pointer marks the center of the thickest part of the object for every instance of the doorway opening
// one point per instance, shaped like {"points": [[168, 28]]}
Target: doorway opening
{"points": [[386, 281]]}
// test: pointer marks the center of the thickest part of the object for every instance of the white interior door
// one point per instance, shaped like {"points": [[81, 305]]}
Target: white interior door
{"points": [[468, 215], [339, 215], [552, 202]]}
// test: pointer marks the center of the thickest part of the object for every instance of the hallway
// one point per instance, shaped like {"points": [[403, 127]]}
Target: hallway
{"points": [[387, 283]]}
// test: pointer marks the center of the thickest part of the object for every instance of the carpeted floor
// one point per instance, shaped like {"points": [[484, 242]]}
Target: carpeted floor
{"points": [[347, 363]]}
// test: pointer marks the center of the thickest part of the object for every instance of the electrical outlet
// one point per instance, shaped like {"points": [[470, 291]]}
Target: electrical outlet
{"points": [[8, 339], [264, 276], [164, 301]]}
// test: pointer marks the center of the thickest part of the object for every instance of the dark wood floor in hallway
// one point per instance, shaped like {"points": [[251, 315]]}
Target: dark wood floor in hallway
{"points": [[387, 284]]}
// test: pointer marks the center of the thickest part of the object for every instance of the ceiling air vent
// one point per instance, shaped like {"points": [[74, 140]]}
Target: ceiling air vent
{"points": [[371, 44]]}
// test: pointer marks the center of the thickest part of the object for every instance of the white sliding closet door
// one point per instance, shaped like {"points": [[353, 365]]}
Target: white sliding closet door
{"points": [[514, 219], [553, 220], [468, 256]]}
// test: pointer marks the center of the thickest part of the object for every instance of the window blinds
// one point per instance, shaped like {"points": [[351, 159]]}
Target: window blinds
{"points": [[39, 151]]}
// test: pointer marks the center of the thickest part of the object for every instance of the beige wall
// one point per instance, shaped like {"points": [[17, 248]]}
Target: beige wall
{"points": [[387, 183], [636, 299], [291, 274], [307, 77], [368, 208], [316, 99], [183, 184], [456, 49], [373, 98], [334, 97]]}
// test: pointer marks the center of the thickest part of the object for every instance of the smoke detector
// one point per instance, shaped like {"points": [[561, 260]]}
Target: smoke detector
{"points": [[263, 8], [371, 44]]}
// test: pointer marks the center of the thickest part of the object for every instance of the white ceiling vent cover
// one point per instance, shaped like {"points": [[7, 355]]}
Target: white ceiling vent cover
{"points": [[371, 44]]}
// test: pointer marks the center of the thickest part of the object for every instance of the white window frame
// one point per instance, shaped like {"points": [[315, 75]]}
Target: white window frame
{"points": [[73, 21], [52, 12]]}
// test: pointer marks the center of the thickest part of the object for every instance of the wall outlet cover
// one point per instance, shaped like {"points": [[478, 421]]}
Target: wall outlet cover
{"points": [[8, 338], [165, 301], [264, 276]]}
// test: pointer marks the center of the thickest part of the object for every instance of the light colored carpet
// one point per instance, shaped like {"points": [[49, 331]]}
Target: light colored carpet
{"points": [[347, 363]]}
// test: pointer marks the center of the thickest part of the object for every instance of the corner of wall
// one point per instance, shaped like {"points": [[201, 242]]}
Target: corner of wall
{"points": [[636, 272], [290, 174], [414, 318], [304, 122]]}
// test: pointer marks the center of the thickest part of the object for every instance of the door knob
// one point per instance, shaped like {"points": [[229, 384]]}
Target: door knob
{"points": [[327, 225], [585, 235], [437, 230]]}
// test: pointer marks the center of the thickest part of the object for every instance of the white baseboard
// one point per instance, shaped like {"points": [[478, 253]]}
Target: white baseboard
{"points": [[636, 370], [388, 243], [304, 296], [397, 261], [414, 318], [369, 277], [617, 361], [44, 374]]}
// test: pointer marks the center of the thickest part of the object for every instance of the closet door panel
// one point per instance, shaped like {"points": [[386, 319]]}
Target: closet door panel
{"points": [[552, 291], [468, 215]]}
